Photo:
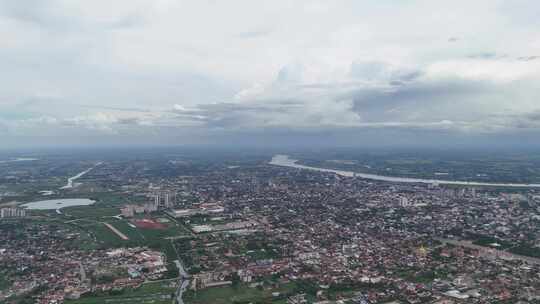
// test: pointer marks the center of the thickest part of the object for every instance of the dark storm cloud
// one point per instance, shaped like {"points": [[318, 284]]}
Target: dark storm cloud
{"points": [[521, 121], [312, 69], [534, 116], [233, 115], [128, 109], [404, 100]]}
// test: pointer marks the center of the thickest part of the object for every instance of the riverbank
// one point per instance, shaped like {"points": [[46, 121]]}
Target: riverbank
{"points": [[71, 180], [285, 161]]}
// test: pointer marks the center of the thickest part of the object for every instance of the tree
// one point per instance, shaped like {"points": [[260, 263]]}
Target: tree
{"points": [[235, 278]]}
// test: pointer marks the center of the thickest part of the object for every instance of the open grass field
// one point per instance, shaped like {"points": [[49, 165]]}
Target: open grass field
{"points": [[92, 212], [92, 218], [4, 283], [239, 294], [100, 236], [138, 236], [151, 293]]}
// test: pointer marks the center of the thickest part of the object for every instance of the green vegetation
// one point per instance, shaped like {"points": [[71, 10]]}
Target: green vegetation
{"points": [[526, 250], [239, 294], [426, 276], [519, 248], [155, 293], [4, 283], [488, 241], [90, 212], [102, 237]]}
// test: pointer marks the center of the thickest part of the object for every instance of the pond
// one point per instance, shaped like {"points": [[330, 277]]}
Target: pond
{"points": [[58, 203]]}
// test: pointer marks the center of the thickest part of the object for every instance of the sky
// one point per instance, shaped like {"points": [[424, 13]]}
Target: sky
{"points": [[349, 73]]}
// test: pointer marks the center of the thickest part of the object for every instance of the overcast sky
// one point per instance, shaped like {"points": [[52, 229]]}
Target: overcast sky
{"points": [[280, 72]]}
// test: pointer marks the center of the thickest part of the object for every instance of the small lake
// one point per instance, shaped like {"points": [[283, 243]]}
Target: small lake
{"points": [[58, 203]]}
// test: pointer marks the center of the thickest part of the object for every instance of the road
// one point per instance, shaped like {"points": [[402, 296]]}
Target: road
{"points": [[183, 284], [83, 273], [116, 231], [182, 275]]}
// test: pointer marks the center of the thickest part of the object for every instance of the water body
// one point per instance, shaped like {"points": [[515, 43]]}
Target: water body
{"points": [[285, 161], [20, 159], [70, 181], [46, 192], [57, 204]]}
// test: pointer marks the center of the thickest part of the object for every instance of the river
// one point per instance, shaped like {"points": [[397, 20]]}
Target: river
{"points": [[19, 159], [285, 161], [70, 181]]}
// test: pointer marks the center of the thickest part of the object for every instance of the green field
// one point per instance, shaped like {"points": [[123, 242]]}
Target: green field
{"points": [[105, 238], [4, 283], [155, 293], [91, 212], [102, 237], [239, 294]]}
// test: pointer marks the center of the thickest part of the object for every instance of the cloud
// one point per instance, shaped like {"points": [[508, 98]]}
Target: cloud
{"points": [[528, 58], [65, 16], [179, 108], [485, 55], [138, 67], [249, 93], [254, 34]]}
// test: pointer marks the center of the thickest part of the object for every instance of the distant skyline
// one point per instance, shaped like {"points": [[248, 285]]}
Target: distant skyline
{"points": [[268, 73]]}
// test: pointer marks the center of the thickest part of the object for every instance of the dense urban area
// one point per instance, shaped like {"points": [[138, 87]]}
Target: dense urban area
{"points": [[198, 228]]}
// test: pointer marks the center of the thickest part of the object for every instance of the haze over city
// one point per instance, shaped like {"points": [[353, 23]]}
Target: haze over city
{"points": [[344, 73], [269, 152]]}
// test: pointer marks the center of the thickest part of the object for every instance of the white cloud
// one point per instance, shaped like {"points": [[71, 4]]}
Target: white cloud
{"points": [[251, 92]]}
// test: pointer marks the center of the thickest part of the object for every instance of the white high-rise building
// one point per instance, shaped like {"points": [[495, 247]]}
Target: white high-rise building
{"points": [[12, 212], [404, 202], [167, 199]]}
